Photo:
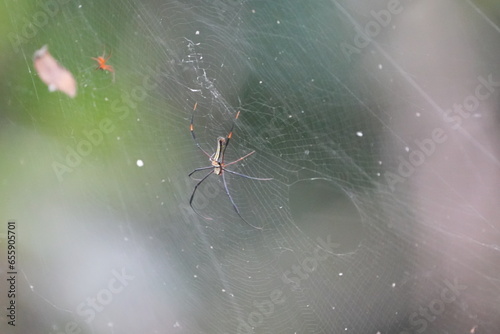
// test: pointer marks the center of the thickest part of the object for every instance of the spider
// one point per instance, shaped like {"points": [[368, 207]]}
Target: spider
{"points": [[218, 167], [102, 64]]}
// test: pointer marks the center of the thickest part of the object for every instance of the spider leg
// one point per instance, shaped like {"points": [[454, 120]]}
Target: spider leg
{"points": [[248, 177], [243, 157], [200, 169], [194, 191], [230, 135], [191, 128], [234, 205]]}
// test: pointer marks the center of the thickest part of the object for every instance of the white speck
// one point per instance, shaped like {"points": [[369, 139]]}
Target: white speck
{"points": [[333, 307], [106, 99], [140, 163], [341, 274], [417, 114], [359, 134], [79, 6], [378, 174], [260, 81], [253, 11], [290, 116], [118, 138], [195, 276], [223, 290], [379, 66], [197, 32], [278, 22], [345, 328], [138, 120], [211, 247], [177, 325], [110, 324], [306, 152], [379, 162], [393, 285], [407, 149]]}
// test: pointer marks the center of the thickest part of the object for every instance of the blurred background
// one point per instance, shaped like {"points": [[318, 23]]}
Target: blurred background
{"points": [[377, 121]]}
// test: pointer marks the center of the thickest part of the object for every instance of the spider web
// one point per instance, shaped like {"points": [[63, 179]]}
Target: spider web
{"points": [[373, 223]]}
